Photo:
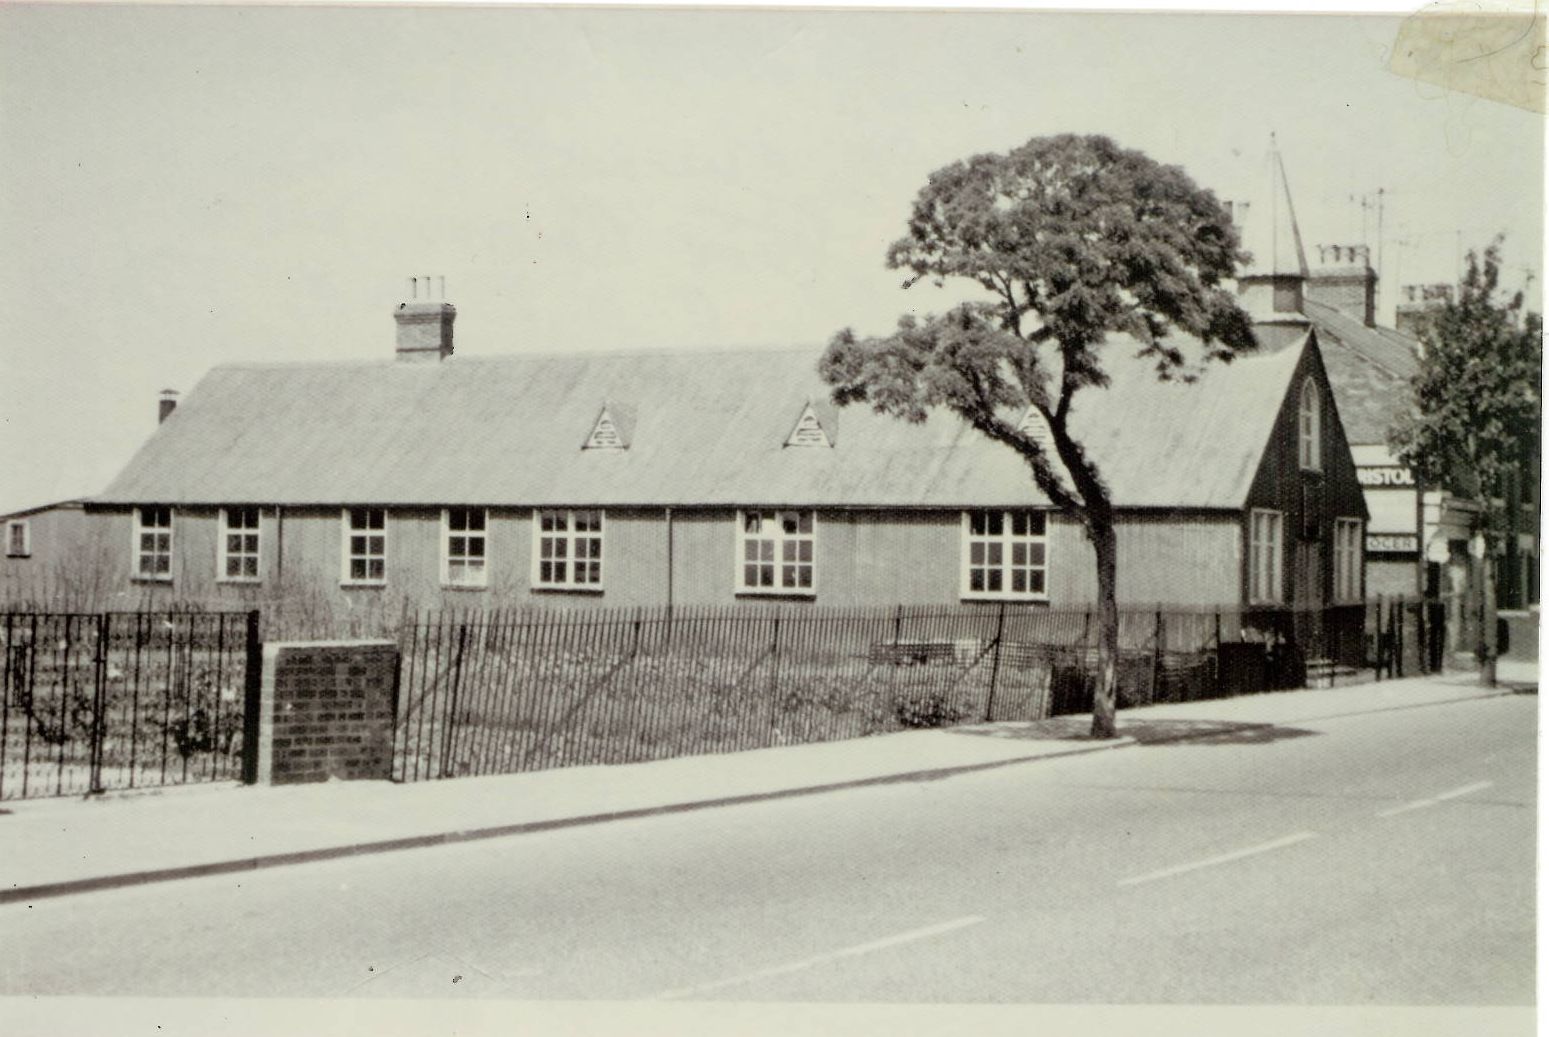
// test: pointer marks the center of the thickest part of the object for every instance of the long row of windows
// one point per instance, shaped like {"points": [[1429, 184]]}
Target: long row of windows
{"points": [[1005, 553]]}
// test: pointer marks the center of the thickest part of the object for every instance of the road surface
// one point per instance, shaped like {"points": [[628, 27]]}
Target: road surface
{"points": [[1375, 859]]}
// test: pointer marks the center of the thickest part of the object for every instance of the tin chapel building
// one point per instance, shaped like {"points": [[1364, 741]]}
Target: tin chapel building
{"points": [[641, 479], [1417, 541]]}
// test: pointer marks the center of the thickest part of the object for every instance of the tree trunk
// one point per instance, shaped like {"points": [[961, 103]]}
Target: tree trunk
{"points": [[1485, 646], [1106, 692]]}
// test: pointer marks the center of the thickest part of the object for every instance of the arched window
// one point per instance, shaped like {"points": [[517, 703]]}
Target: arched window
{"points": [[1311, 428]]}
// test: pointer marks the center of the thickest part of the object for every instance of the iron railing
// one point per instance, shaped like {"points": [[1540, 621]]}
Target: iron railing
{"points": [[117, 700], [484, 692]]}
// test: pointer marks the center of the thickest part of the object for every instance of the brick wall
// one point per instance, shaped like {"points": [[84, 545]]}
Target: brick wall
{"points": [[326, 710]]}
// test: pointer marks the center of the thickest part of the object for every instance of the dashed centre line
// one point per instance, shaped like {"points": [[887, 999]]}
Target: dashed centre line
{"points": [[1179, 869], [819, 959], [1440, 797]]}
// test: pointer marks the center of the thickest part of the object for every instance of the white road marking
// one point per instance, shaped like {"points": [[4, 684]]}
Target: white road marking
{"points": [[1274, 844], [818, 959], [1420, 804]]}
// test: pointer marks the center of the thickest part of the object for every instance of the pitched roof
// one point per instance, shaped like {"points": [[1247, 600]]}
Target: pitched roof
{"points": [[709, 428], [1369, 368]]}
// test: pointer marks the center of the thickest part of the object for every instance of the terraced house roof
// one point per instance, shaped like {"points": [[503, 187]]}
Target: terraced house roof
{"points": [[696, 429], [1370, 369]]}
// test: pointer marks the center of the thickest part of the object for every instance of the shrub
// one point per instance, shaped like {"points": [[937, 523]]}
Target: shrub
{"points": [[926, 709]]}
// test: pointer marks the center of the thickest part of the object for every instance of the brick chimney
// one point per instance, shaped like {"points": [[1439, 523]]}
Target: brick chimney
{"points": [[1416, 302], [1346, 281], [166, 403], [424, 326]]}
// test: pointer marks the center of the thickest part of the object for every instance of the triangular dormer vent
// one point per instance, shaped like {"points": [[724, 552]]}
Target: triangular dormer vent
{"points": [[606, 434], [809, 430], [1036, 427]]}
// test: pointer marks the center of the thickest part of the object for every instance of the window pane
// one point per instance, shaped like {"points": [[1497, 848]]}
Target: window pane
{"points": [[1019, 554], [1036, 523], [995, 552], [1035, 581], [1019, 580], [976, 579], [375, 567], [804, 575], [457, 546], [805, 554], [788, 551], [995, 523], [994, 579], [788, 576], [789, 522], [976, 523], [752, 522], [233, 543], [805, 524], [1035, 554], [163, 564], [476, 548], [250, 566], [766, 575], [1019, 523], [750, 576], [750, 550], [976, 553]]}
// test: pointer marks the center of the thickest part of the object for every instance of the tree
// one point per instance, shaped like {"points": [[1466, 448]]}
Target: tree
{"points": [[1072, 238], [1473, 425]]}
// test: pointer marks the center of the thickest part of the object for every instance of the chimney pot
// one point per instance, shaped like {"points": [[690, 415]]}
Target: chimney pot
{"points": [[166, 403]]}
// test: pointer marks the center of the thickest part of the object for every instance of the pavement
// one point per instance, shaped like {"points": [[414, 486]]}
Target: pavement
{"points": [[67, 846]]}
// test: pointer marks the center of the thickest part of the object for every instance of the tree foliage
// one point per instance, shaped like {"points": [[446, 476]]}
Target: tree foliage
{"points": [[1477, 408], [1073, 239]]}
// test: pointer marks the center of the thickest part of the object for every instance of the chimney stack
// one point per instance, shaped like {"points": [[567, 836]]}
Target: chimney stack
{"points": [[165, 405], [1416, 303], [424, 326], [1346, 281]]}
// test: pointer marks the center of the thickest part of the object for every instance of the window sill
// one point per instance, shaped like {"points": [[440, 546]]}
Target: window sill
{"points": [[1024, 599], [240, 581], [18, 554], [465, 586], [150, 579], [368, 585], [787, 595], [559, 588]]}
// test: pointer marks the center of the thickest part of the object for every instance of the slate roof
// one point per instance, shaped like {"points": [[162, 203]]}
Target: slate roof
{"points": [[1370, 369], [708, 428]]}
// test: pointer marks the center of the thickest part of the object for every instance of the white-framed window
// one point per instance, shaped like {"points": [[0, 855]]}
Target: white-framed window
{"points": [[18, 538], [1005, 554], [775, 552], [1309, 436], [1266, 557], [463, 555], [1348, 545], [365, 546], [239, 545], [568, 550], [153, 543]]}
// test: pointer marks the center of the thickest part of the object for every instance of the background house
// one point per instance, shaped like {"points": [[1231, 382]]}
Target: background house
{"points": [[715, 478], [51, 555]]}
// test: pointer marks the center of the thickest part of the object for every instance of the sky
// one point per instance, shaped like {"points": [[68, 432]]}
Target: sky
{"points": [[184, 187]]}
